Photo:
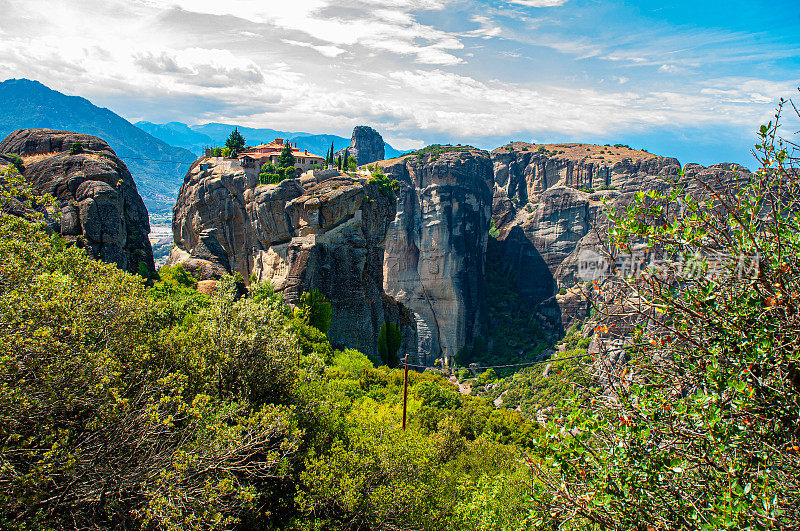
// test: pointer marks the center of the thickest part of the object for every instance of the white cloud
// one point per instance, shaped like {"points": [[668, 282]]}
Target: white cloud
{"points": [[202, 67], [404, 144], [375, 62], [539, 3], [383, 25], [327, 51]]}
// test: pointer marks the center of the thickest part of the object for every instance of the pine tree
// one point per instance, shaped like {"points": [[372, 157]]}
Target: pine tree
{"points": [[235, 143], [286, 159]]}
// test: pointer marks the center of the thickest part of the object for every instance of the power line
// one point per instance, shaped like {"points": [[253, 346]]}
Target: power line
{"points": [[526, 364]]}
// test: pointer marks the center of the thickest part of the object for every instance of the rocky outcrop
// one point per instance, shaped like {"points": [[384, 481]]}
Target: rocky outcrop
{"points": [[366, 145], [101, 209], [549, 211], [435, 251], [320, 231]]}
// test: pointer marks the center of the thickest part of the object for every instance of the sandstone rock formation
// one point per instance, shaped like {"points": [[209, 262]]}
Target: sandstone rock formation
{"points": [[101, 209], [366, 145], [374, 256], [548, 207], [322, 231], [435, 251]]}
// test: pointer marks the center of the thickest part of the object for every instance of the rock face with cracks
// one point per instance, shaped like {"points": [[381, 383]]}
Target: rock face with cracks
{"points": [[322, 231], [366, 145], [435, 251], [418, 258], [548, 206], [101, 210]]}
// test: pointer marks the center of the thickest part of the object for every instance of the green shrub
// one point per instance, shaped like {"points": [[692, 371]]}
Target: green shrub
{"points": [[76, 149], [437, 395], [17, 161], [351, 362], [263, 291], [315, 310], [269, 178], [389, 340], [310, 339], [487, 376], [494, 232], [703, 429], [387, 187], [178, 275], [144, 271], [100, 385]]}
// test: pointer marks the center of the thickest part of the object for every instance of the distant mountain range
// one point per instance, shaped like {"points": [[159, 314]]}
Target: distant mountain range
{"points": [[158, 155], [157, 167], [196, 137]]}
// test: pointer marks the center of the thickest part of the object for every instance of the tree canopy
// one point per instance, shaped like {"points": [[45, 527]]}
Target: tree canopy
{"points": [[286, 158], [235, 143]]}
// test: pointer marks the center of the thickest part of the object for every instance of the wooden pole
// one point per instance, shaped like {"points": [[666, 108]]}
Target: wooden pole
{"points": [[405, 390]]}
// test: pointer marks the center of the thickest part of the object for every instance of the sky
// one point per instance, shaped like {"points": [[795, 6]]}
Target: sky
{"points": [[690, 79]]}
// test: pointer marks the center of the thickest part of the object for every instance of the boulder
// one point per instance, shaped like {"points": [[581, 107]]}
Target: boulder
{"points": [[101, 209]]}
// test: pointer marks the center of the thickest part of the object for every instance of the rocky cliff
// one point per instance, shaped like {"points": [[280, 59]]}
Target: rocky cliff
{"points": [[435, 251], [548, 208], [322, 231], [101, 209], [366, 145], [429, 248]]}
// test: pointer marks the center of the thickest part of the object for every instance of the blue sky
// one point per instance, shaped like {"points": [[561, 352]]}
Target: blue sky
{"points": [[686, 79]]}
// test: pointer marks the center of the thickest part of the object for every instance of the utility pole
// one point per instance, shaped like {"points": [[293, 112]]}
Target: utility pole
{"points": [[405, 390]]}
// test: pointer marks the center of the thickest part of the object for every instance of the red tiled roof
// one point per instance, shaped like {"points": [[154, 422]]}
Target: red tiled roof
{"points": [[274, 147]]}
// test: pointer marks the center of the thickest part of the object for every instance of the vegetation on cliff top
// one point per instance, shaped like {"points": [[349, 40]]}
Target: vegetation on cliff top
{"points": [[434, 151]]}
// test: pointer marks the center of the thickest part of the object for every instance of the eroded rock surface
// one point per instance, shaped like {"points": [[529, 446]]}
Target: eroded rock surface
{"points": [[366, 145], [548, 208], [101, 209], [435, 251], [324, 232]]}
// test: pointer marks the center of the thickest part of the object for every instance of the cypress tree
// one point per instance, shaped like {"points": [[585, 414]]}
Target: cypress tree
{"points": [[345, 159], [286, 159], [235, 143]]}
